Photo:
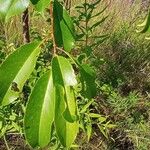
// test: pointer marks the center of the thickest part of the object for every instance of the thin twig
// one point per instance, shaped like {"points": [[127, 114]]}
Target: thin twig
{"points": [[6, 143], [68, 56]]}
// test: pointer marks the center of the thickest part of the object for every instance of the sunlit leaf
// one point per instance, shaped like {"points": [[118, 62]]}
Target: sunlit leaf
{"points": [[40, 5], [15, 70], [65, 130], [63, 27], [39, 114], [102, 119], [63, 74], [93, 115], [66, 75], [65, 108]]}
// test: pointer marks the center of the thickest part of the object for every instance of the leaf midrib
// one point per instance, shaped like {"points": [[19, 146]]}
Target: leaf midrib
{"points": [[46, 91]]}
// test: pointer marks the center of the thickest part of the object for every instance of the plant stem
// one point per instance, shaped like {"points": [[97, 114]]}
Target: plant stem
{"points": [[52, 28], [4, 32], [6, 143], [68, 56], [25, 21], [67, 5], [86, 26]]}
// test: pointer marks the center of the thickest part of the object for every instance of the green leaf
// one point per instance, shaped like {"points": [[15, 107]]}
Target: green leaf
{"points": [[98, 23], [40, 5], [99, 13], [85, 107], [110, 126], [145, 25], [65, 130], [103, 131], [15, 70], [102, 119], [39, 114], [63, 74], [89, 130], [88, 81], [93, 115], [65, 108], [63, 27], [34, 2], [70, 113], [9, 8], [96, 2]]}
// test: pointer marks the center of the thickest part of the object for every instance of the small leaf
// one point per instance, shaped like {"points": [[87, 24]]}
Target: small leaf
{"points": [[40, 5], [64, 29], [15, 70], [85, 107], [9, 8], [88, 81], [75, 146], [39, 114], [99, 13], [110, 126], [96, 2], [81, 58], [103, 131], [98, 42], [98, 23], [93, 115], [102, 119], [87, 50], [145, 25], [89, 130]]}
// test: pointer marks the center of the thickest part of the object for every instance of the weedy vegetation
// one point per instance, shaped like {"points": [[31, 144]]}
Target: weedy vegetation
{"points": [[74, 75]]}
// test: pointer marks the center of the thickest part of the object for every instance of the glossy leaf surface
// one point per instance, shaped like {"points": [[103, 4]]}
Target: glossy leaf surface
{"points": [[66, 131], [65, 108], [64, 29], [15, 70], [63, 74], [39, 114], [9, 8]]}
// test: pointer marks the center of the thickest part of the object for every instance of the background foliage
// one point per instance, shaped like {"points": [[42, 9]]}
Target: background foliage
{"points": [[118, 58]]}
